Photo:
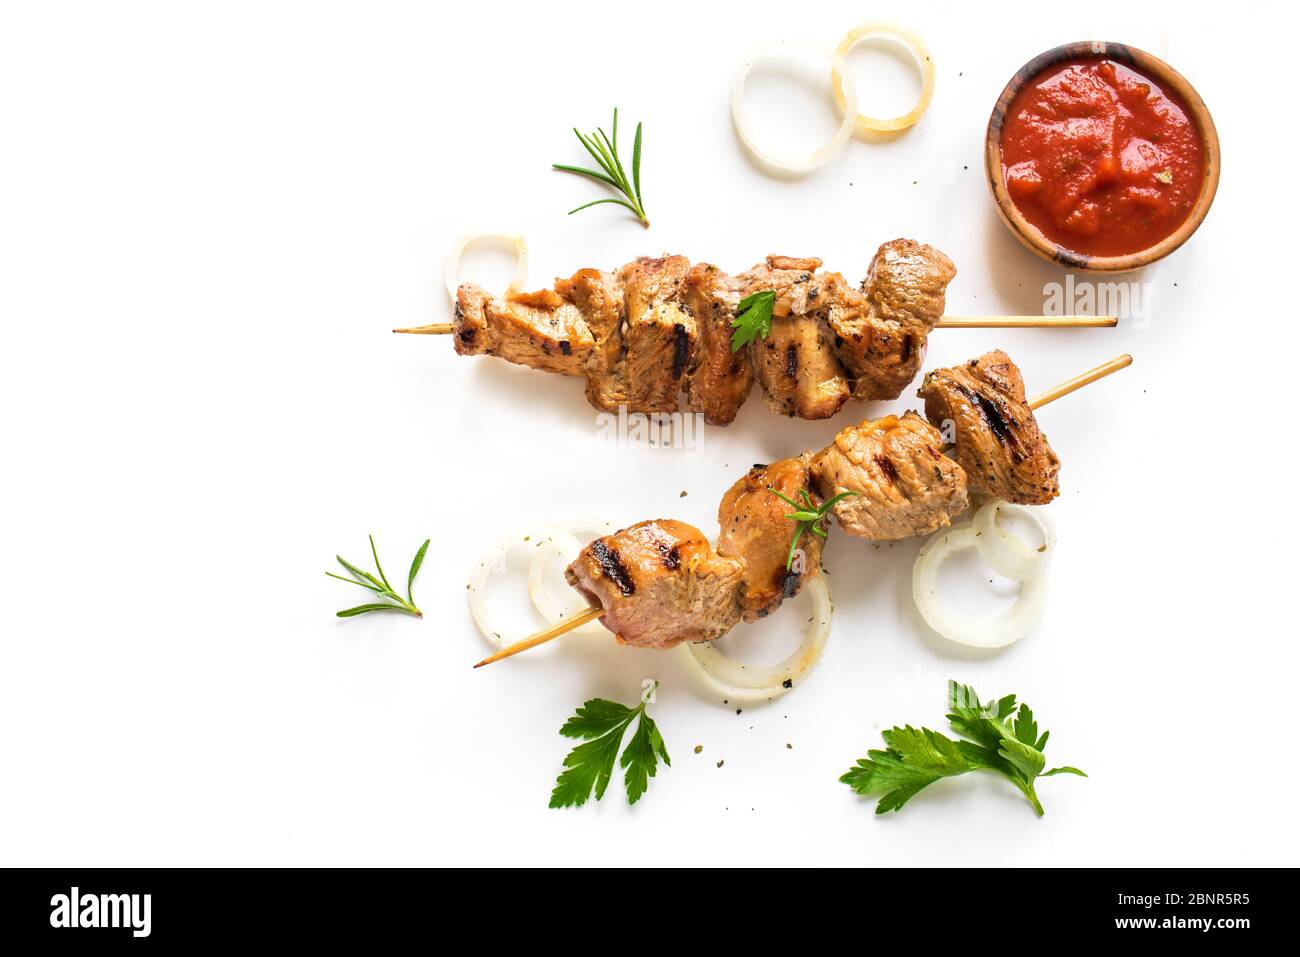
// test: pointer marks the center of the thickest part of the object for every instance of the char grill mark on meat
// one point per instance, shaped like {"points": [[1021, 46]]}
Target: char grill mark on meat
{"points": [[796, 363], [719, 380], [612, 567], [998, 440], [881, 332], [666, 585], [905, 485], [542, 329], [756, 532], [681, 350]]}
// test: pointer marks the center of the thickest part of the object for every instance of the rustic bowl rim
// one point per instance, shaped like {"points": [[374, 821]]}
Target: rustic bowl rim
{"points": [[1144, 62]]}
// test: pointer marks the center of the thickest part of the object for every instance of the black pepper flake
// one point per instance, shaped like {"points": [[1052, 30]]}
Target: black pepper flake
{"points": [[721, 763], [738, 710], [787, 683]]}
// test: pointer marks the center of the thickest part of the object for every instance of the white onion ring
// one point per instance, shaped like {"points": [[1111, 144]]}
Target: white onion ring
{"points": [[798, 164], [924, 62], [451, 265], [1004, 552], [1004, 629], [740, 682], [478, 578], [562, 543]]}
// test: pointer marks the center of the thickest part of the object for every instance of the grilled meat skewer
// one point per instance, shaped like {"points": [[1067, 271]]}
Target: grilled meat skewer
{"points": [[903, 485], [659, 583], [655, 329]]}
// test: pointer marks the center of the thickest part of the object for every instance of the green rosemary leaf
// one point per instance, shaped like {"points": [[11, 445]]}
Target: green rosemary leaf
{"points": [[604, 150], [364, 609], [416, 562]]}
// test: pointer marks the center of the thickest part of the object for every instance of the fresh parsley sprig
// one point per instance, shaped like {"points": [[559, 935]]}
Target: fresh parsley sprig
{"points": [[753, 319], [380, 585], [1002, 738], [604, 150], [601, 724], [807, 517]]}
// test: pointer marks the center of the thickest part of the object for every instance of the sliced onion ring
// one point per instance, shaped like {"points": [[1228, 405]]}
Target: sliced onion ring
{"points": [[846, 95], [451, 265], [740, 682], [1004, 552], [478, 578], [1004, 629], [924, 62], [563, 544]]}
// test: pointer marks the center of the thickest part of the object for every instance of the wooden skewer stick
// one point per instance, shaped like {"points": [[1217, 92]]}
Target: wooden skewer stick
{"points": [[1028, 322], [1079, 381], [437, 329], [1065, 388], [595, 611], [947, 322]]}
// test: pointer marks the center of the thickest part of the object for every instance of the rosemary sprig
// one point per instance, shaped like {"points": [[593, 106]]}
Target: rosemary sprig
{"points": [[380, 585], [604, 150], [807, 516]]}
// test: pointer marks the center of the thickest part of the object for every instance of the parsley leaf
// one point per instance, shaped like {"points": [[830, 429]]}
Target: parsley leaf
{"points": [[916, 758], [753, 319], [1002, 738], [601, 724]]}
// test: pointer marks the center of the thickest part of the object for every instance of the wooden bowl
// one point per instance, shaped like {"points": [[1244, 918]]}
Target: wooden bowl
{"points": [[1143, 62]]}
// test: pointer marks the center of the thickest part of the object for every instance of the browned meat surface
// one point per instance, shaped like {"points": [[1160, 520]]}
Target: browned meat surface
{"points": [[660, 584], [796, 363], [756, 532], [719, 380], [660, 335], [645, 333], [906, 486], [794, 281], [998, 440], [599, 296], [880, 333], [539, 329]]}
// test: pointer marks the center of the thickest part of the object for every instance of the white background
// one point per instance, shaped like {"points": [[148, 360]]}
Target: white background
{"points": [[211, 216]]}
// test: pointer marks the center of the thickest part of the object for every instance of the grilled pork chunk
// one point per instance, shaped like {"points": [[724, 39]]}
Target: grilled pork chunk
{"points": [[998, 440], [880, 333], [599, 297], [660, 584], [659, 336], [796, 363], [719, 380], [756, 532], [539, 329], [906, 486]]}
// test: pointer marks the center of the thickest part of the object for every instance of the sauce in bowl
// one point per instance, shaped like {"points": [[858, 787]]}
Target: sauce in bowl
{"points": [[1100, 158]]}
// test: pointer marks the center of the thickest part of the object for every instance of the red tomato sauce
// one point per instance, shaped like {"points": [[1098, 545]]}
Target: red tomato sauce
{"points": [[1102, 159]]}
